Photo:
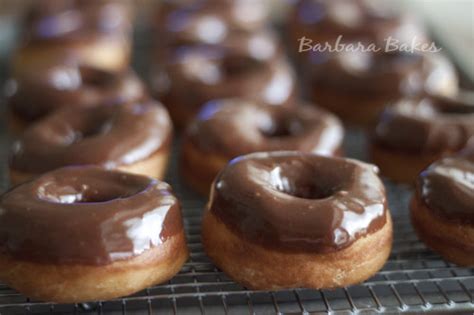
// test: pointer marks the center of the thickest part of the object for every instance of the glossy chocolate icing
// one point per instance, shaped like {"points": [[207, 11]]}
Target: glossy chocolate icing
{"points": [[447, 187], [109, 136], [299, 202], [238, 68], [87, 216], [43, 91], [373, 74], [207, 21], [323, 20], [233, 127], [61, 20], [432, 124]]}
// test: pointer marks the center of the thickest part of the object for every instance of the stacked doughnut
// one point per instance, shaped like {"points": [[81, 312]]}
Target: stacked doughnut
{"points": [[90, 218]]}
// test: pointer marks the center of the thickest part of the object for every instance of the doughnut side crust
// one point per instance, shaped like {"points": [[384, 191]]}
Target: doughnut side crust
{"points": [[399, 166], [180, 115], [15, 124], [199, 168], [80, 283], [154, 166], [258, 268], [453, 241], [105, 52], [362, 111]]}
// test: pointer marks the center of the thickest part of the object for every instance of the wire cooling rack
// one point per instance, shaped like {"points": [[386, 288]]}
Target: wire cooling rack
{"points": [[413, 280]]}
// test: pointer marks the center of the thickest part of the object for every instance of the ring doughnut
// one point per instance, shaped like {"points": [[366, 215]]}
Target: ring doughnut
{"points": [[82, 234], [289, 219]]}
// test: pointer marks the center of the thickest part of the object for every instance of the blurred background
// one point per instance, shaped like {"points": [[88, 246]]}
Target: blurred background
{"points": [[451, 21]]}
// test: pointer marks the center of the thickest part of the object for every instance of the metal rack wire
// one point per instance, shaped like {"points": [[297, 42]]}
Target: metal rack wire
{"points": [[413, 280]]}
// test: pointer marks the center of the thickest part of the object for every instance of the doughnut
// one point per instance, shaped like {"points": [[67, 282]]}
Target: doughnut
{"points": [[358, 85], [133, 137], [245, 66], [291, 219], [227, 128], [442, 210], [92, 33], [324, 21], [413, 133], [207, 21], [37, 94], [82, 234]]}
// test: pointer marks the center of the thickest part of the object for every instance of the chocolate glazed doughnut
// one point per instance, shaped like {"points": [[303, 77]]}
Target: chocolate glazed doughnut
{"points": [[92, 33], [287, 219], [246, 66], [207, 21], [442, 210], [133, 137], [41, 92], [83, 233], [413, 133], [225, 129], [358, 85], [323, 21]]}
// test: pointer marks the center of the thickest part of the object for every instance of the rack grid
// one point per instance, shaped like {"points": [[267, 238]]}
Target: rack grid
{"points": [[413, 280]]}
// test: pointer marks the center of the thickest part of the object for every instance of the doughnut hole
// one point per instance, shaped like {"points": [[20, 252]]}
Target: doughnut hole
{"points": [[95, 191], [280, 124], [281, 127], [300, 181], [235, 66], [95, 77], [94, 122], [453, 108]]}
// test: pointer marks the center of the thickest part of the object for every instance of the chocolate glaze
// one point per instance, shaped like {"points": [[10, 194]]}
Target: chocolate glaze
{"points": [[353, 19], [87, 216], [386, 75], [110, 136], [447, 187], [59, 20], [233, 127], [432, 124], [207, 21], [249, 67], [299, 202], [40, 92]]}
